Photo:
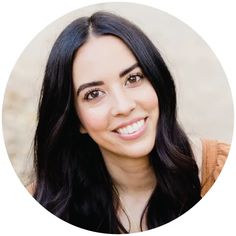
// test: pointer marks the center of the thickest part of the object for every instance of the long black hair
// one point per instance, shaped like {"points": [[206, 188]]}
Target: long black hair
{"points": [[72, 181]]}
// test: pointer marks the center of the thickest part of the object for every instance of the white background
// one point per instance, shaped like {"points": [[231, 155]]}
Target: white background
{"points": [[21, 20]]}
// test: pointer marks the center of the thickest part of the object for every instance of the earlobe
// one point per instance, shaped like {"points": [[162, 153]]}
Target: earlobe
{"points": [[82, 130]]}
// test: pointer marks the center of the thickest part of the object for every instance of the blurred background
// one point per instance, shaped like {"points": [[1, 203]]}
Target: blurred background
{"points": [[205, 107]]}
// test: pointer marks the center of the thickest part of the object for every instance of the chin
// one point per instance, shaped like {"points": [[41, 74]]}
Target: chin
{"points": [[139, 151]]}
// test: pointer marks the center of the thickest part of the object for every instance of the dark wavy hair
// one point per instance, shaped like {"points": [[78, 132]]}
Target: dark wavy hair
{"points": [[72, 181]]}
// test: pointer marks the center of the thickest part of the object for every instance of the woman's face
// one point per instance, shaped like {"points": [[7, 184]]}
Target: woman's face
{"points": [[116, 104]]}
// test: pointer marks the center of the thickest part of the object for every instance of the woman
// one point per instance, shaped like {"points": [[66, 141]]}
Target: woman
{"points": [[110, 155]]}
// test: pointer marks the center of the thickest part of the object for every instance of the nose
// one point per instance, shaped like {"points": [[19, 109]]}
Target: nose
{"points": [[123, 103]]}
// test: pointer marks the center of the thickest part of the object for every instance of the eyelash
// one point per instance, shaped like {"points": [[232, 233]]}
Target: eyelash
{"points": [[88, 93], [140, 75], [86, 96]]}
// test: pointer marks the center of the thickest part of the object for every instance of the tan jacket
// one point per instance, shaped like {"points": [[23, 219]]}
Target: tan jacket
{"points": [[214, 154]]}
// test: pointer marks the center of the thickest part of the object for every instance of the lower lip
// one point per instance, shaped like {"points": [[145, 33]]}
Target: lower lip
{"points": [[136, 134]]}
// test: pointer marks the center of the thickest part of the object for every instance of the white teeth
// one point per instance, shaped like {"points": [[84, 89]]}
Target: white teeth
{"points": [[131, 128], [125, 130], [136, 127], [141, 123]]}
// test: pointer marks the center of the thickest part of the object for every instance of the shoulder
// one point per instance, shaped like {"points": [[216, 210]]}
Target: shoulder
{"points": [[214, 155]]}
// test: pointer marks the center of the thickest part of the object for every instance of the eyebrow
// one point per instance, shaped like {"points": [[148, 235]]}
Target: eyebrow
{"points": [[87, 85], [126, 71], [99, 83]]}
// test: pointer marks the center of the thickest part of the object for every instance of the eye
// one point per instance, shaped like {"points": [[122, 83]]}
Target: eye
{"points": [[93, 94], [134, 79]]}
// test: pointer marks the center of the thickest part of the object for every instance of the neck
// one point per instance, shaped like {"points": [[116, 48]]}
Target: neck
{"points": [[134, 180], [131, 175]]}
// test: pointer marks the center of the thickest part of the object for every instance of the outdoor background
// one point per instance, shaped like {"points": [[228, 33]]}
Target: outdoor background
{"points": [[205, 106]]}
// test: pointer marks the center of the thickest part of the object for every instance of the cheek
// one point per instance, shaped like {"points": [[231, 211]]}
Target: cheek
{"points": [[93, 119], [149, 99]]}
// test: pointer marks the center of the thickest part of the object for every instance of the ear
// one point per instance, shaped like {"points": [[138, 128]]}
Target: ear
{"points": [[82, 129]]}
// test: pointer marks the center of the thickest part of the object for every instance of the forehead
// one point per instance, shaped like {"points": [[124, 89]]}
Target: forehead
{"points": [[100, 57]]}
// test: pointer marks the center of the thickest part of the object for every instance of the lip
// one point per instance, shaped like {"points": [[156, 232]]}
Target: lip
{"points": [[135, 135], [124, 124]]}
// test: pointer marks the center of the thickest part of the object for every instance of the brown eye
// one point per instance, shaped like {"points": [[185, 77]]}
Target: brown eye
{"points": [[134, 79], [93, 94]]}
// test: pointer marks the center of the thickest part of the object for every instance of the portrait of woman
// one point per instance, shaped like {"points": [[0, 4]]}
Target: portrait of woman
{"points": [[109, 152]]}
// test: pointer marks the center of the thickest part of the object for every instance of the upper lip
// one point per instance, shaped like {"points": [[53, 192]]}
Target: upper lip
{"points": [[124, 124]]}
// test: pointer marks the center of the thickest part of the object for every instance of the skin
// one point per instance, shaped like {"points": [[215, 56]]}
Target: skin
{"points": [[118, 98]]}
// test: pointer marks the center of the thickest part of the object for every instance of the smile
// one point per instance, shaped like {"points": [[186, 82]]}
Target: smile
{"points": [[130, 129], [133, 130]]}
